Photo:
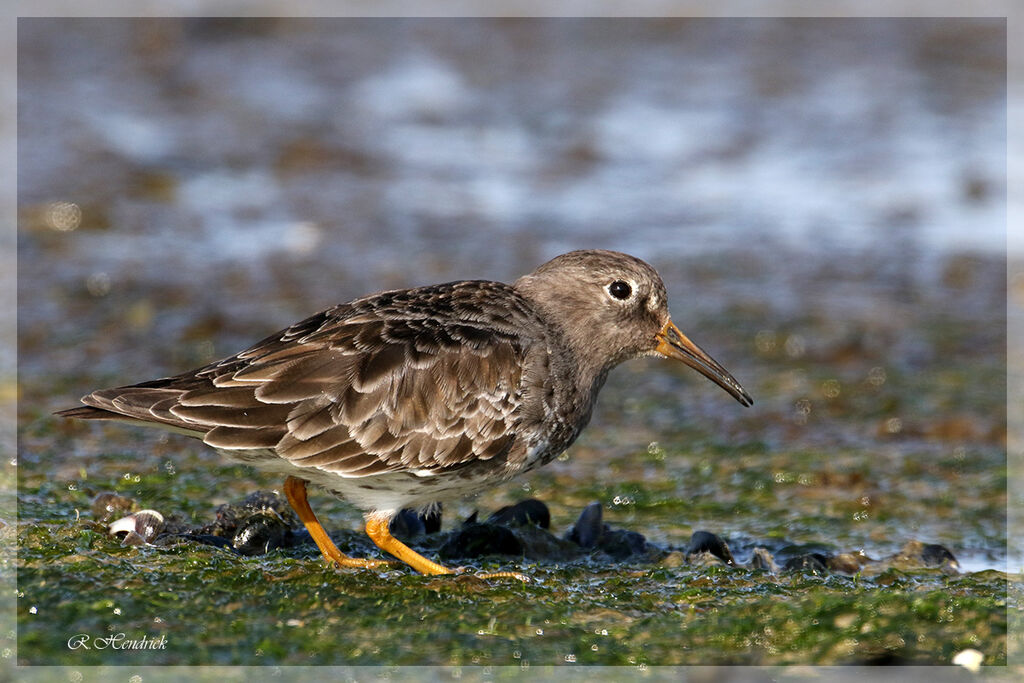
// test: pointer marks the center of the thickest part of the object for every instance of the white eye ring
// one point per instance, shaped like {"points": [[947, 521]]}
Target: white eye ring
{"points": [[620, 290]]}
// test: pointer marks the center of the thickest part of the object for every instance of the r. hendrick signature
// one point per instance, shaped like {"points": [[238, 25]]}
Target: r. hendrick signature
{"points": [[117, 641]]}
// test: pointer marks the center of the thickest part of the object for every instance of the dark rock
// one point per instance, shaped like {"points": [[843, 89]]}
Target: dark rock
{"points": [[407, 525], [705, 541], [935, 555], [231, 516], [260, 533], [529, 511], [589, 528], [815, 563], [300, 537], [540, 544], [478, 540], [793, 549], [621, 544], [432, 519]]}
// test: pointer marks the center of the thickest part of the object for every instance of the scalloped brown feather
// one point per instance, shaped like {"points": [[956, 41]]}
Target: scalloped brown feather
{"points": [[372, 386]]}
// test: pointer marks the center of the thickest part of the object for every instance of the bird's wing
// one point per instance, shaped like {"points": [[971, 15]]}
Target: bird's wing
{"points": [[355, 390]]}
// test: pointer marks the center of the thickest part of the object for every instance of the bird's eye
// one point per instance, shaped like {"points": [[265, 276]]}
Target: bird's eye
{"points": [[620, 290]]}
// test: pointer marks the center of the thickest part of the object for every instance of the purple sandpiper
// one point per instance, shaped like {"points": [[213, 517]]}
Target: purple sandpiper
{"points": [[408, 397]]}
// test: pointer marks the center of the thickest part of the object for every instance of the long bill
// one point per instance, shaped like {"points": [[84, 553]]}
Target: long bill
{"points": [[674, 344]]}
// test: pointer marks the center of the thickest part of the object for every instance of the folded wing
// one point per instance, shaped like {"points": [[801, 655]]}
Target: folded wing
{"points": [[355, 390]]}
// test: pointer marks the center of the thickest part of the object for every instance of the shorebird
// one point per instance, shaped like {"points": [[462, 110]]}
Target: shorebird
{"points": [[405, 398]]}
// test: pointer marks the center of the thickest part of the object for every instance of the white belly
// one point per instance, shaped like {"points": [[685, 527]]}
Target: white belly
{"points": [[383, 494]]}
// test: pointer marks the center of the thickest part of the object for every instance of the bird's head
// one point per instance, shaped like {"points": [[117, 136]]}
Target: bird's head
{"points": [[611, 307]]}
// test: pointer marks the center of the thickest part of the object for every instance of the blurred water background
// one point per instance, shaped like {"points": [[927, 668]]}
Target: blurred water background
{"points": [[348, 155]]}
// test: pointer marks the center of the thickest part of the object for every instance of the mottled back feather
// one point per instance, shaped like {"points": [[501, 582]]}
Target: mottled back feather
{"points": [[420, 379]]}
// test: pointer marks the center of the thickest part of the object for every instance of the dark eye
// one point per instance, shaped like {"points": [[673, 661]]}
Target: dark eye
{"points": [[620, 290]]}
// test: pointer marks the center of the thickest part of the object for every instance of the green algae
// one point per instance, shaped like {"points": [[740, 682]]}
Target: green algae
{"points": [[286, 608]]}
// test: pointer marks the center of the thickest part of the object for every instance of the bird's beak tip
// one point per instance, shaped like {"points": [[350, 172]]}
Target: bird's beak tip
{"points": [[672, 343]]}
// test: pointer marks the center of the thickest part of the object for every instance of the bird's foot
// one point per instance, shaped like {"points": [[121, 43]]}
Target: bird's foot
{"points": [[377, 530]]}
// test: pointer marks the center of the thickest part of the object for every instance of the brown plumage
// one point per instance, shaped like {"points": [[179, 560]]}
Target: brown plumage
{"points": [[406, 397]]}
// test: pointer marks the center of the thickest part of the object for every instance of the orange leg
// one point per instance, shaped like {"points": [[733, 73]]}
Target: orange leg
{"points": [[295, 491], [377, 530]]}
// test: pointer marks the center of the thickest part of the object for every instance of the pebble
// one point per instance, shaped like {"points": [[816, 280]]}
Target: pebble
{"points": [[264, 521], [847, 563]]}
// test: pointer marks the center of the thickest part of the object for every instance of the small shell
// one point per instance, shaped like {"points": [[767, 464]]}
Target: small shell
{"points": [[140, 527], [969, 659]]}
